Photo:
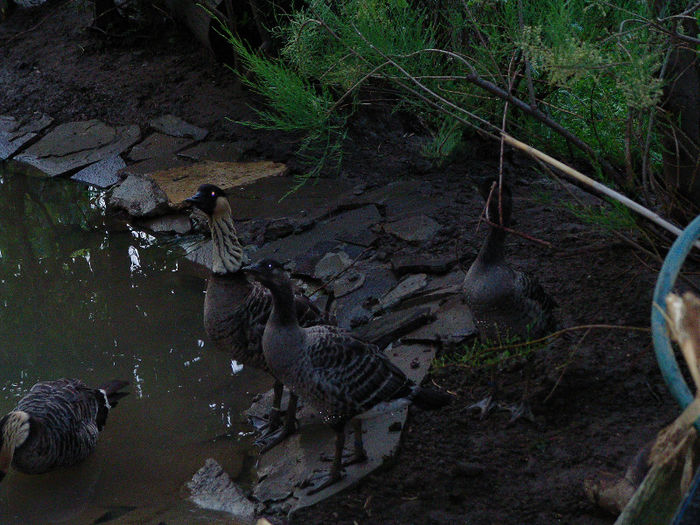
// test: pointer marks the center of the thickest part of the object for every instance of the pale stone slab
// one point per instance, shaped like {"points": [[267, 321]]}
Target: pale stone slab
{"points": [[182, 182], [176, 127], [212, 488], [103, 174]]}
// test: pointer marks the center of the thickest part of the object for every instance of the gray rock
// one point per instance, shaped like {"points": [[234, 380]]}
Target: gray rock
{"points": [[176, 223], [14, 135], [218, 151], [453, 325], [406, 288], [389, 327], [103, 174], [139, 197], [417, 263], [77, 144], [175, 126], [419, 228], [331, 264], [379, 280], [211, 488], [348, 283], [278, 228], [158, 145]]}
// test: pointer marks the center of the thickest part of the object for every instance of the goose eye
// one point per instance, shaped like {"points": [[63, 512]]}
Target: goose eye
{"points": [[213, 194]]}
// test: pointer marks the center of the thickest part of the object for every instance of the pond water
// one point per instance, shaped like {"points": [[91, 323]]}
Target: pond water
{"points": [[80, 298]]}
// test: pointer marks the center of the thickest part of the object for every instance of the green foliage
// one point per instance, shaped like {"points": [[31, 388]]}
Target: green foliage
{"points": [[595, 70], [491, 353]]}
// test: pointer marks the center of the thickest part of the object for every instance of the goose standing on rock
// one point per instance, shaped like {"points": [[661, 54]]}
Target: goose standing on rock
{"points": [[236, 310], [339, 375], [55, 425], [504, 302]]}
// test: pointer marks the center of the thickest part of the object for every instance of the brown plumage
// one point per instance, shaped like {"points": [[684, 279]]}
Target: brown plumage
{"points": [[236, 310], [339, 375], [55, 424]]}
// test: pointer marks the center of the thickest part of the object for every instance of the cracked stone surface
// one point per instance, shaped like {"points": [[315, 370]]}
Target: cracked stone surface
{"points": [[15, 134], [76, 144], [176, 127], [158, 145], [218, 151], [212, 488], [103, 174], [416, 229]]}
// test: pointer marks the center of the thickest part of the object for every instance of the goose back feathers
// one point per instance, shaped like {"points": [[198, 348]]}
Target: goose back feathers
{"points": [[339, 375], [235, 310], [504, 302], [55, 424]]}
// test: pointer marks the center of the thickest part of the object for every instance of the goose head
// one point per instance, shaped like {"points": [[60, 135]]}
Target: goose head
{"points": [[269, 273], [14, 431], [211, 200]]}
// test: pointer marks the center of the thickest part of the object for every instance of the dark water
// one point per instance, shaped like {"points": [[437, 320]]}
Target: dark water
{"points": [[80, 299]]}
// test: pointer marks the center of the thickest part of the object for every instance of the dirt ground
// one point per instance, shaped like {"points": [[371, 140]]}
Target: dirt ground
{"points": [[600, 395]]}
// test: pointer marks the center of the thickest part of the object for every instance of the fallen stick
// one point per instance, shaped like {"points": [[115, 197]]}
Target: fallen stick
{"points": [[601, 188]]}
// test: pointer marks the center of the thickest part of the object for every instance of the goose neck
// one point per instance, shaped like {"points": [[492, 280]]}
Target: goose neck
{"points": [[227, 255]]}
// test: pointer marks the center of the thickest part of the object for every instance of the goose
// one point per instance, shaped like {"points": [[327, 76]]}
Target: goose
{"points": [[337, 374], [55, 424], [505, 303], [235, 310]]}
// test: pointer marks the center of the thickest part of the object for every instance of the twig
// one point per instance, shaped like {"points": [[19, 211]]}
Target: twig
{"points": [[566, 365], [569, 171], [341, 272]]}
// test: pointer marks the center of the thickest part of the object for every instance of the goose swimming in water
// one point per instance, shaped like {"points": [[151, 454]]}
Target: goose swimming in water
{"points": [[236, 310], [505, 303], [55, 425], [337, 374]]}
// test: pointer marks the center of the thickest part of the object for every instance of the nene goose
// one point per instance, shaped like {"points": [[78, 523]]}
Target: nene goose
{"points": [[55, 425], [505, 303], [235, 310], [338, 375]]}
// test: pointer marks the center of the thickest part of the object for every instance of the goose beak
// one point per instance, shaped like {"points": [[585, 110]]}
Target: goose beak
{"points": [[251, 269], [196, 199]]}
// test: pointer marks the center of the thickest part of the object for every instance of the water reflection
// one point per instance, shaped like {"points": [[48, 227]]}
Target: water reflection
{"points": [[78, 298]]}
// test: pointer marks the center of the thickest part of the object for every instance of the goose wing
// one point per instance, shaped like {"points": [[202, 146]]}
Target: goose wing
{"points": [[355, 373]]}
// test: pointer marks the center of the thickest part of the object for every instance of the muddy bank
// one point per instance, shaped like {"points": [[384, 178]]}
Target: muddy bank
{"points": [[599, 393]]}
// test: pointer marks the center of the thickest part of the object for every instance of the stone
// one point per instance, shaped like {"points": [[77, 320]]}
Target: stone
{"points": [[77, 144], [331, 264], [176, 223], [391, 326], [278, 228], [103, 174], [176, 127], [406, 288], [418, 263], [212, 488], [218, 151], [148, 166], [378, 281], [14, 135], [139, 197], [182, 182], [158, 145], [348, 283], [415, 229], [453, 325]]}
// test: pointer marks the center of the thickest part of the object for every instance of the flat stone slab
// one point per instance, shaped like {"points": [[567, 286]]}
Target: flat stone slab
{"points": [[285, 467], [415, 229], [419, 263], [406, 288], [158, 145], [453, 325], [217, 150], [176, 127], [182, 182], [212, 488], [76, 144], [15, 134], [103, 174], [386, 329]]}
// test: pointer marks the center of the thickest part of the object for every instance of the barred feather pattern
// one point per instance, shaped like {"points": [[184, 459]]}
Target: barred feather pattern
{"points": [[64, 429], [235, 310], [339, 375]]}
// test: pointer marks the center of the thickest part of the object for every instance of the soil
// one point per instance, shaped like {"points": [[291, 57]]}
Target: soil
{"points": [[599, 395]]}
